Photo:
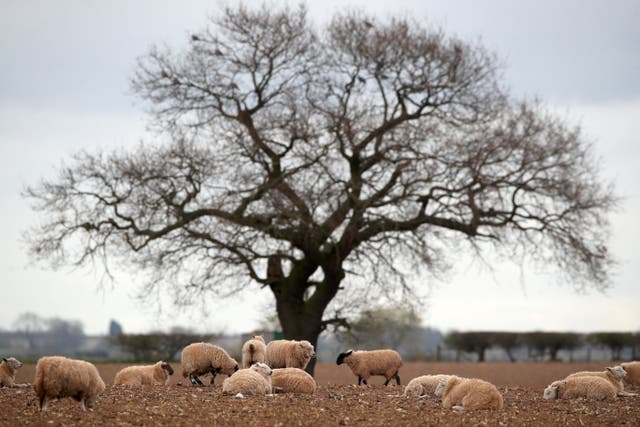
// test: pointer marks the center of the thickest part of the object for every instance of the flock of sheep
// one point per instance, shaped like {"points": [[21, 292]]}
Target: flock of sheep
{"points": [[279, 367]]}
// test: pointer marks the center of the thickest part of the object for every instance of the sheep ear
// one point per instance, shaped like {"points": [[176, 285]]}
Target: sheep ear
{"points": [[4, 359], [609, 368]]}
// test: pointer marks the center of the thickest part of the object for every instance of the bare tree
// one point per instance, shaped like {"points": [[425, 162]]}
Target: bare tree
{"points": [[344, 159]]}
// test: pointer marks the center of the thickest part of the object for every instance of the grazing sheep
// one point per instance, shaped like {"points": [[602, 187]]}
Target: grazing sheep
{"points": [[292, 380], [253, 381], [253, 351], [633, 372], [468, 393], [589, 387], [58, 377], [289, 354], [375, 362], [202, 358], [615, 375], [157, 374], [424, 385], [8, 368]]}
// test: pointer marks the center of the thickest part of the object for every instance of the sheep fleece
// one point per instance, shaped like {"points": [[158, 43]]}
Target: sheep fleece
{"points": [[633, 372], [615, 381], [292, 380], [254, 351], [143, 375], [58, 376], [471, 393], [374, 362], [289, 353], [588, 387], [200, 358], [424, 385], [248, 382]]}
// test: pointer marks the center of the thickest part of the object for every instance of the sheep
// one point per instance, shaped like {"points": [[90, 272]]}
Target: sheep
{"points": [[253, 381], [289, 354], [253, 351], [374, 362], [590, 387], [157, 374], [424, 385], [468, 393], [202, 358], [58, 377], [615, 375], [292, 380], [633, 372], [8, 368]]}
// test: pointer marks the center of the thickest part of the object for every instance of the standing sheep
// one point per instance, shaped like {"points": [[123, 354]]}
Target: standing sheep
{"points": [[375, 362], [253, 381], [424, 385], [292, 380], [202, 358], [589, 387], [289, 354], [157, 374], [8, 369], [253, 351], [633, 372], [468, 393], [58, 377], [615, 375]]}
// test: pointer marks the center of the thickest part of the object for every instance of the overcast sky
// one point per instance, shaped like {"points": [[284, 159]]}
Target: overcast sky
{"points": [[64, 74]]}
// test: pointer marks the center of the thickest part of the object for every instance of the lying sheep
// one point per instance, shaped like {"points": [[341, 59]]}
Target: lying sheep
{"points": [[289, 354], [633, 372], [253, 351], [292, 380], [58, 377], [375, 362], [253, 381], [8, 368], [202, 358], [468, 393], [589, 387], [424, 385], [157, 374], [615, 375]]}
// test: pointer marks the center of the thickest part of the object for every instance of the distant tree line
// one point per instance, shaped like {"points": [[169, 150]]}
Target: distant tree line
{"points": [[156, 346]]}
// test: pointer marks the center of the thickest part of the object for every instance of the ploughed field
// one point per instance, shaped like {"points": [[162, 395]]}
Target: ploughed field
{"points": [[338, 401]]}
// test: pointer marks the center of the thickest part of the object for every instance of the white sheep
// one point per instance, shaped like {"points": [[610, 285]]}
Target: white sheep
{"points": [[424, 385], [202, 358], [8, 368], [589, 387], [253, 381], [58, 377], [289, 354], [615, 375], [253, 351], [468, 393], [157, 374], [292, 380], [633, 372], [374, 362]]}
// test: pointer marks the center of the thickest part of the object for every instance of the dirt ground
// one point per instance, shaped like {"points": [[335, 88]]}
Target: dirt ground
{"points": [[338, 401]]}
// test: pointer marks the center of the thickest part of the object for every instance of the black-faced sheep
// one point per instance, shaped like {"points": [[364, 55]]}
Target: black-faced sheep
{"points": [[203, 358], [289, 354], [254, 351], [588, 387], [157, 374], [253, 381], [374, 362], [468, 393], [8, 368], [292, 380], [424, 385], [58, 377]]}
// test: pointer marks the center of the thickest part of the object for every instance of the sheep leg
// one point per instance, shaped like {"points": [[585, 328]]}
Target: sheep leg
{"points": [[386, 382], [44, 401], [195, 380], [397, 377]]}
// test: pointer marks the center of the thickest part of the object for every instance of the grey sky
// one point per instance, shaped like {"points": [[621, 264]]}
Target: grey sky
{"points": [[64, 87]]}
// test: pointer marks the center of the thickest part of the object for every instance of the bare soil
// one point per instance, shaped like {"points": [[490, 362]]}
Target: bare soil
{"points": [[338, 401]]}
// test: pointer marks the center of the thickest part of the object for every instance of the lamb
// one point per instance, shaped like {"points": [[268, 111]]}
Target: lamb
{"points": [[292, 380], [58, 377], [252, 381], [590, 387], [424, 385], [615, 375], [8, 369], [633, 372], [289, 354], [157, 374], [468, 393], [374, 362], [202, 358], [253, 351]]}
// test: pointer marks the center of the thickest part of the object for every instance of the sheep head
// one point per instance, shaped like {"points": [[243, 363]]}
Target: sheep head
{"points": [[342, 356], [618, 371], [166, 367], [262, 369], [439, 391], [551, 392], [12, 363]]}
